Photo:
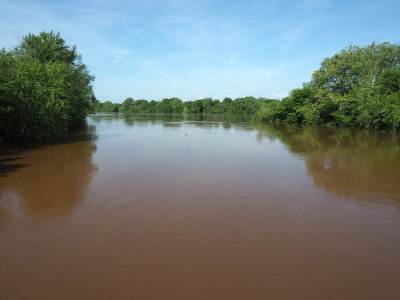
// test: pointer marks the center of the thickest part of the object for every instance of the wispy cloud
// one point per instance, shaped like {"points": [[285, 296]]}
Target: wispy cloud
{"points": [[185, 48], [120, 55]]}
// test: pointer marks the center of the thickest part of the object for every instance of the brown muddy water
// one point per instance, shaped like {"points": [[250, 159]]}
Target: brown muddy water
{"points": [[172, 207]]}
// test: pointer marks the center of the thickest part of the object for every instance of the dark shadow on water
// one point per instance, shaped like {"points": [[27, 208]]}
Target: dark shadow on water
{"points": [[49, 181], [6, 167], [86, 133], [8, 151]]}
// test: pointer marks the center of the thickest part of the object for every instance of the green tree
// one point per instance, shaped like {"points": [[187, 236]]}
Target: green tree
{"points": [[358, 87], [176, 106], [164, 106], [45, 89], [197, 107], [225, 104], [356, 66], [128, 105], [290, 108]]}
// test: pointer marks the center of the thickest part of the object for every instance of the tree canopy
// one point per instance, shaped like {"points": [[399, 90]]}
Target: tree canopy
{"points": [[238, 106], [356, 67], [45, 89], [358, 87]]}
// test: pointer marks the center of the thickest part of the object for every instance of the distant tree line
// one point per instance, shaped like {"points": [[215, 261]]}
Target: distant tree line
{"points": [[358, 87], [238, 106], [45, 89]]}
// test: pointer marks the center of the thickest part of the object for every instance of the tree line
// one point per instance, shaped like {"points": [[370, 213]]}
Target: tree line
{"points": [[238, 106], [46, 91]]}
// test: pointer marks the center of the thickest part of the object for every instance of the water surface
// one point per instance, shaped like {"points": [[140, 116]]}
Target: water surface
{"points": [[192, 207]]}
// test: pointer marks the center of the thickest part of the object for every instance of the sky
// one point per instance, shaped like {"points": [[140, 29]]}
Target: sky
{"points": [[147, 49]]}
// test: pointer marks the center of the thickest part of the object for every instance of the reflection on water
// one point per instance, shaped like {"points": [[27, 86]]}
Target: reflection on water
{"points": [[50, 181], [359, 164], [202, 207], [356, 164], [171, 120]]}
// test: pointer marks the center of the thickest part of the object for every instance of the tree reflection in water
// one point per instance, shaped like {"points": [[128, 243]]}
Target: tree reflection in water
{"points": [[359, 164], [54, 178]]}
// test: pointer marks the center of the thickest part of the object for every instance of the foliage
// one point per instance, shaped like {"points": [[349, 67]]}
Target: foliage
{"points": [[206, 106], [266, 112], [356, 66], [358, 87], [45, 89]]}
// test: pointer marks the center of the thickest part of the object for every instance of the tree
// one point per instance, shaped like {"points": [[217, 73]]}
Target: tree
{"points": [[128, 105], [45, 89], [243, 106], [290, 108], [356, 66], [225, 104], [207, 104], [176, 106], [358, 87], [164, 107]]}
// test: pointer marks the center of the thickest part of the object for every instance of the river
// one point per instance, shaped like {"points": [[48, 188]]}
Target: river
{"points": [[202, 207]]}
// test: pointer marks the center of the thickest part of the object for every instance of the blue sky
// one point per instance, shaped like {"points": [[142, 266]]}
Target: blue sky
{"points": [[149, 49]]}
